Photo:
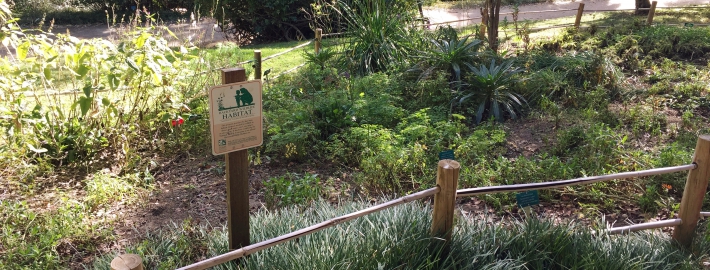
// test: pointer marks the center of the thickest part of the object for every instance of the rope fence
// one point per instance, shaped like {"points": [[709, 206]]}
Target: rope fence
{"points": [[232, 255], [445, 194]]}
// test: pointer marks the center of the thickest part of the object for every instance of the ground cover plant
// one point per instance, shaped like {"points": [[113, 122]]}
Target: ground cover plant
{"points": [[399, 238], [364, 117]]}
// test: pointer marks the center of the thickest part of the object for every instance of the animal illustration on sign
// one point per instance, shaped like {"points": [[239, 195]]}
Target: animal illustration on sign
{"points": [[242, 98], [245, 97]]}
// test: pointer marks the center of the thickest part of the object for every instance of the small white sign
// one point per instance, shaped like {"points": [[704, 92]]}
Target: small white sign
{"points": [[236, 119]]}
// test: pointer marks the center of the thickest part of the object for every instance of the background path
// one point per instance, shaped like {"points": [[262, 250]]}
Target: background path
{"points": [[206, 34], [444, 15]]}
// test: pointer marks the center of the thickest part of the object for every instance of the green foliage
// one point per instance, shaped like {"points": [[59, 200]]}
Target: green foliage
{"points": [[565, 77], [320, 59], [489, 88], [122, 92], [291, 189], [251, 20], [391, 159], [379, 34], [44, 240], [175, 246], [451, 55], [671, 41]]}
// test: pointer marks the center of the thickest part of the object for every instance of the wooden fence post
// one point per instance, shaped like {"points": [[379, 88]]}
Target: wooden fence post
{"points": [[447, 178], [578, 20], [319, 36], [127, 262], [651, 12], [694, 193], [237, 170], [257, 64]]}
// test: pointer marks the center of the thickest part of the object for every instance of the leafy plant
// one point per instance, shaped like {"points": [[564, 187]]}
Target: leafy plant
{"points": [[320, 59], [452, 55], [291, 189], [489, 88], [379, 33]]}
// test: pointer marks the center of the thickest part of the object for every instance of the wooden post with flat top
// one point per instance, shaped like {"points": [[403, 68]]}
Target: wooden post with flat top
{"points": [[319, 37], [127, 262], [578, 20], [257, 64], [237, 168], [694, 193], [447, 179], [651, 13], [484, 23]]}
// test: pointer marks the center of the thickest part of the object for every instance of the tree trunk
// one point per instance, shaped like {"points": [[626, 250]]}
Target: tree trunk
{"points": [[493, 7], [642, 4]]}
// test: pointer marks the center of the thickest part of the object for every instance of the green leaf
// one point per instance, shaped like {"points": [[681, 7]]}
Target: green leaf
{"points": [[82, 70], [84, 104], [22, 50], [87, 90], [105, 102], [47, 73], [132, 64], [113, 81]]}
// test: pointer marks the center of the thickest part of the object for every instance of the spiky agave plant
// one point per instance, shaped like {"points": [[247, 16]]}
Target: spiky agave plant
{"points": [[452, 55], [490, 89], [379, 31]]}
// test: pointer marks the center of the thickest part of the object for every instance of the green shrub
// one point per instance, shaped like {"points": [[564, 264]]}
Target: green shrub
{"points": [[246, 20], [379, 34], [291, 189], [490, 89], [46, 240], [455, 56]]}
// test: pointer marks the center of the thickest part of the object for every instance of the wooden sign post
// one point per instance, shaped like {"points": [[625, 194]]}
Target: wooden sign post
{"points": [[236, 124]]}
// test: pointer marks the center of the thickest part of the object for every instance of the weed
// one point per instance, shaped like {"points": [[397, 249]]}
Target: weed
{"points": [[291, 189]]}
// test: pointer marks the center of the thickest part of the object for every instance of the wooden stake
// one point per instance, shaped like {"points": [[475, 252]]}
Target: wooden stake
{"points": [[447, 179], [578, 20], [257, 64], [694, 193], [651, 12], [237, 169], [319, 36], [484, 24], [127, 262]]}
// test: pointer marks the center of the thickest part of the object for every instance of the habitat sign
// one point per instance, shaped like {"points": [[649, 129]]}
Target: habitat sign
{"points": [[236, 121]]}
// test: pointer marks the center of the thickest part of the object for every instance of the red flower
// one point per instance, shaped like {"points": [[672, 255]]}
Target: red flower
{"points": [[177, 122]]}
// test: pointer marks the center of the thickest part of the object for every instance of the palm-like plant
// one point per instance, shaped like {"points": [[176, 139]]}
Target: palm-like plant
{"points": [[379, 33], [452, 55], [320, 58], [489, 87]]}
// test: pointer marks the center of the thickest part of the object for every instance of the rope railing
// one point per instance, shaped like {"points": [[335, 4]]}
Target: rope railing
{"points": [[645, 226], [286, 51], [79, 90], [232, 255], [289, 71], [445, 200], [571, 182]]}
